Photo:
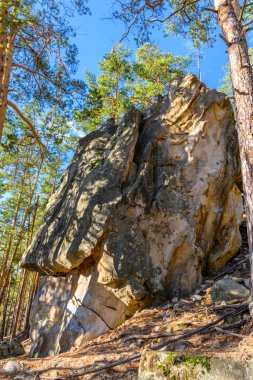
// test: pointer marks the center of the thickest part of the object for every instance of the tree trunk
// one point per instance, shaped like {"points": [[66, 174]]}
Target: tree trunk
{"points": [[7, 37], [5, 82], [20, 303], [242, 82]]}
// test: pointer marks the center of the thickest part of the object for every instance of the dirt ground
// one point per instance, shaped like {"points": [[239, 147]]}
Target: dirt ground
{"points": [[155, 326]]}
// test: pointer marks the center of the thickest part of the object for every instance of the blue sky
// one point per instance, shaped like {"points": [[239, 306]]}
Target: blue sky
{"points": [[96, 35]]}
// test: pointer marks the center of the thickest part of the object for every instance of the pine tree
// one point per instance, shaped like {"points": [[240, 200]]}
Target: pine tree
{"points": [[37, 57], [153, 71], [28, 178], [124, 82]]}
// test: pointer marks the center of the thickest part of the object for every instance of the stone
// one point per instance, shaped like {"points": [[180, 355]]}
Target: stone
{"points": [[51, 374], [24, 376], [162, 365], [11, 348], [144, 209], [246, 283], [228, 289], [196, 297], [11, 367]]}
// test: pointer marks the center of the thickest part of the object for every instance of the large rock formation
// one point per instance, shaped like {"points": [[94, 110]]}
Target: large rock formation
{"points": [[143, 211]]}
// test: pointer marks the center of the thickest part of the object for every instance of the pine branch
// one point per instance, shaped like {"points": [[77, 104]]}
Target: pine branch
{"points": [[35, 73], [242, 10], [30, 125], [153, 347]]}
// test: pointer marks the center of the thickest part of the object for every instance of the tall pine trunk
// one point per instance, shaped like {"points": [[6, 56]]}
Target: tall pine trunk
{"points": [[6, 53], [242, 82]]}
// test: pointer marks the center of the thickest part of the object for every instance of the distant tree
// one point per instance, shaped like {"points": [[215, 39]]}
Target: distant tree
{"points": [[123, 82], [153, 71], [107, 95], [92, 114], [27, 177], [37, 57]]}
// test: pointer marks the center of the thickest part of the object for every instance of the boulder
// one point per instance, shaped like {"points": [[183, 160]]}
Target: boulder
{"points": [[11, 348], [228, 289], [144, 209], [164, 365]]}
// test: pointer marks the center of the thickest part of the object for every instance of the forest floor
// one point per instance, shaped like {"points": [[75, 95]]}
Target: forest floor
{"points": [[154, 326]]}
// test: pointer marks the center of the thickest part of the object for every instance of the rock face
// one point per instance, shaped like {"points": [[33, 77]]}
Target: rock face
{"points": [[162, 365], [144, 209]]}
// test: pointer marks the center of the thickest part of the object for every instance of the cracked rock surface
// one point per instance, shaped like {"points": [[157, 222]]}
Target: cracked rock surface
{"points": [[144, 210]]}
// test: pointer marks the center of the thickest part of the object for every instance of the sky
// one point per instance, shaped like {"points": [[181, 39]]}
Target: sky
{"points": [[97, 34]]}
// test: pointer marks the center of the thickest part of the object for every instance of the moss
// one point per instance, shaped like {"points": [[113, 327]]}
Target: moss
{"points": [[11, 348], [184, 367], [99, 162]]}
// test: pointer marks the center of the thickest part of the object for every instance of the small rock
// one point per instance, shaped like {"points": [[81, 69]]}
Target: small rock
{"points": [[233, 318], [24, 376], [246, 316], [165, 307], [52, 374], [196, 297], [180, 347], [167, 315], [187, 302], [246, 283], [228, 289], [187, 308], [177, 307], [139, 342], [175, 299], [11, 367]]}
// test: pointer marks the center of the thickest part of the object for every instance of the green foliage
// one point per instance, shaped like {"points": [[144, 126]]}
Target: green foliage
{"points": [[107, 95], [44, 57], [115, 75], [188, 18], [28, 177], [189, 363], [153, 71], [124, 82]]}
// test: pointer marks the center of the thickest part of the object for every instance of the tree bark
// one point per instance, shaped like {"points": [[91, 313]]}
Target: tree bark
{"points": [[242, 82], [7, 37], [19, 309]]}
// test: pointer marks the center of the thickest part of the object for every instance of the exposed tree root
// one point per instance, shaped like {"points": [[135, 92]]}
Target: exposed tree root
{"points": [[154, 347]]}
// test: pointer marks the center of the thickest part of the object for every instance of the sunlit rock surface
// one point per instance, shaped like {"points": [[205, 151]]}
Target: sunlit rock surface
{"points": [[164, 365], [143, 211]]}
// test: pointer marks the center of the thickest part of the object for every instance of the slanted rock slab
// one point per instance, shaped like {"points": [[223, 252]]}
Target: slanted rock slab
{"points": [[143, 210], [164, 365]]}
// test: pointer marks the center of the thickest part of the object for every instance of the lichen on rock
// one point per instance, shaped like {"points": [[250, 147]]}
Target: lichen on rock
{"points": [[164, 365], [145, 208]]}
